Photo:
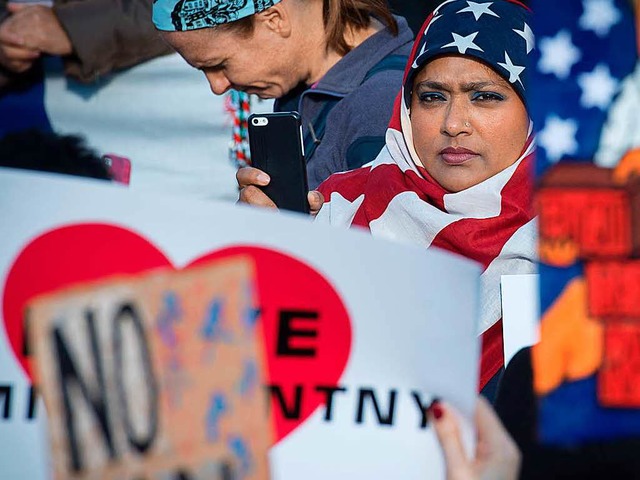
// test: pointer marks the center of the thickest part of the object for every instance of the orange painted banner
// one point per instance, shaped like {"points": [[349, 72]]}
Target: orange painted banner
{"points": [[619, 375], [614, 289], [598, 221]]}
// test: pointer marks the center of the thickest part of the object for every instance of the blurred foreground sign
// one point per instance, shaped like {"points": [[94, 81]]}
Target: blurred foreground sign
{"points": [[141, 378], [141, 313]]}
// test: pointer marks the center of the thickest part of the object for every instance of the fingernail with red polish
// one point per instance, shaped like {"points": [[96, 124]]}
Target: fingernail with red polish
{"points": [[436, 409]]}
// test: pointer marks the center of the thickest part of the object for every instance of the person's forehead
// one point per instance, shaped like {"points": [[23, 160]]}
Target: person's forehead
{"points": [[459, 68], [200, 45]]}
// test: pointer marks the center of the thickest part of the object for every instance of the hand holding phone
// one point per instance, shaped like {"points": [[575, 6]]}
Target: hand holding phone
{"points": [[275, 141], [250, 182], [251, 179]]}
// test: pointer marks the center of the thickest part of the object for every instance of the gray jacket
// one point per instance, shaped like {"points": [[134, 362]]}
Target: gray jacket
{"points": [[363, 88]]}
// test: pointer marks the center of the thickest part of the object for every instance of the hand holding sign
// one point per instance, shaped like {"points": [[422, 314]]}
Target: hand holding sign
{"points": [[496, 457]]}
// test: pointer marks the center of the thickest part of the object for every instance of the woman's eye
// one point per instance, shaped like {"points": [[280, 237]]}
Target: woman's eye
{"points": [[217, 67], [431, 97], [487, 96]]}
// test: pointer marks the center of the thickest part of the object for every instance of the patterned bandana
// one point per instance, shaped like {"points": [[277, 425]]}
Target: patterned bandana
{"points": [[396, 198], [180, 15], [496, 32]]}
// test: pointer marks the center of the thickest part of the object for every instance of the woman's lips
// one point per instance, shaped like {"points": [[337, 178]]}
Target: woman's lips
{"points": [[457, 156]]}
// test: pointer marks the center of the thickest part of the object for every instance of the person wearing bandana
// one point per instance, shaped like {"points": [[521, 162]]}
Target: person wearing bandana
{"points": [[455, 172], [339, 63]]}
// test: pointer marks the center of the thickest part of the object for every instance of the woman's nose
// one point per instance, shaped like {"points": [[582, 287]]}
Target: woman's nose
{"points": [[456, 120], [218, 82]]}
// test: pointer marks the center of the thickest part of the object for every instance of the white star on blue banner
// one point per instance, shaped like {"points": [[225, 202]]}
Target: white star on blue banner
{"points": [[585, 49]]}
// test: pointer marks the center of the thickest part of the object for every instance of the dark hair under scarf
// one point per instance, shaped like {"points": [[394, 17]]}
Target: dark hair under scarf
{"points": [[496, 32]]}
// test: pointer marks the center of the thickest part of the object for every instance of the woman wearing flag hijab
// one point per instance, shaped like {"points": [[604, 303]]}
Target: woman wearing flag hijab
{"points": [[455, 170], [338, 63]]}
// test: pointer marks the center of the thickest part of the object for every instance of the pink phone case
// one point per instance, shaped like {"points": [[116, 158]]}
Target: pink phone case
{"points": [[119, 168]]}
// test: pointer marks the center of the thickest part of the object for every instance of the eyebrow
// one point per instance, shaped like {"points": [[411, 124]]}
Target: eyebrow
{"points": [[466, 87]]}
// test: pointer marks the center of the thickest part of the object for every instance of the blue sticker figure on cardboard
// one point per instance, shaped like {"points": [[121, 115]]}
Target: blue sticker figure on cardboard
{"points": [[249, 379], [250, 314], [217, 408], [212, 328], [242, 453], [169, 316]]}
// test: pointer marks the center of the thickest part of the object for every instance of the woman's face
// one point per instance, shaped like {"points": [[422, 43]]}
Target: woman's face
{"points": [[262, 63], [467, 121]]}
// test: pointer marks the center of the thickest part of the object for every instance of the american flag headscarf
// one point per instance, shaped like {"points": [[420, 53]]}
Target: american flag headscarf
{"points": [[394, 197]]}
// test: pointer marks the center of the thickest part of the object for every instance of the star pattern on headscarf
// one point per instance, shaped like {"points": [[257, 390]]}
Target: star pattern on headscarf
{"points": [[479, 9], [493, 31], [433, 20], [464, 43], [425, 45], [514, 70], [528, 36]]}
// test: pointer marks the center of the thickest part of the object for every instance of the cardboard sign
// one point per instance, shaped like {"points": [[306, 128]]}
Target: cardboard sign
{"points": [[354, 351], [156, 375]]}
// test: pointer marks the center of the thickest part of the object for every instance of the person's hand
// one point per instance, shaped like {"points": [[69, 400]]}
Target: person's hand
{"points": [[496, 458], [37, 28], [316, 200], [251, 179], [13, 55]]}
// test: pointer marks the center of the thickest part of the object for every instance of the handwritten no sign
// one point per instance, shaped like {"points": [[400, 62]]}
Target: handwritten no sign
{"points": [[81, 253]]}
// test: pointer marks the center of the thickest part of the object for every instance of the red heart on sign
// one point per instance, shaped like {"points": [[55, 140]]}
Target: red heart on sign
{"points": [[81, 253]]}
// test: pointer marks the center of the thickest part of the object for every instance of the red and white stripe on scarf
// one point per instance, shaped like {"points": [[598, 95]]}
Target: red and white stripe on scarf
{"points": [[492, 222]]}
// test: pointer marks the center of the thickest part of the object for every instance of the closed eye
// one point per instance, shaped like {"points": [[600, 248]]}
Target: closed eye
{"points": [[213, 68]]}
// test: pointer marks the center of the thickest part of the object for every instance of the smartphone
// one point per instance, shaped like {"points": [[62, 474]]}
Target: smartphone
{"points": [[119, 168], [275, 142]]}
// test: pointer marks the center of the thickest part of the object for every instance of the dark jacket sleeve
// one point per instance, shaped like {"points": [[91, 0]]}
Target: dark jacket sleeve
{"points": [[108, 35]]}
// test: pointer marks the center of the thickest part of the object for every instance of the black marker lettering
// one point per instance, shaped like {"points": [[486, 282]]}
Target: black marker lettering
{"points": [[292, 412], [128, 313], [95, 397], [365, 393], [329, 391], [286, 333], [424, 421], [5, 396]]}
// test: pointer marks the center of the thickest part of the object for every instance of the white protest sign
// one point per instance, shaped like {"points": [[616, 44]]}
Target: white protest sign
{"points": [[520, 313], [358, 336]]}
